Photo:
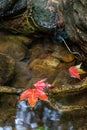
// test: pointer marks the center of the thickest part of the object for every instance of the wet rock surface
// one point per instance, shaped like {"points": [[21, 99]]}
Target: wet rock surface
{"points": [[27, 17], [76, 25], [45, 13], [63, 54]]}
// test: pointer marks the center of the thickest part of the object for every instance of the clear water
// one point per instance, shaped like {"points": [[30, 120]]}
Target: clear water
{"points": [[43, 117]]}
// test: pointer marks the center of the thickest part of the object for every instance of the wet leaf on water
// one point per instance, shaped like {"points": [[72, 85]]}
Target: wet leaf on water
{"points": [[41, 84], [33, 95], [75, 71]]}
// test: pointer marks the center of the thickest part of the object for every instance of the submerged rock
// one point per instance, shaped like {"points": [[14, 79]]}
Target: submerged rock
{"points": [[63, 54], [13, 46], [43, 64], [22, 75], [44, 68], [7, 65]]}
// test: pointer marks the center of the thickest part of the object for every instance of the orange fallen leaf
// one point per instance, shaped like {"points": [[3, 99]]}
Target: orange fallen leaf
{"points": [[33, 95], [42, 95]]}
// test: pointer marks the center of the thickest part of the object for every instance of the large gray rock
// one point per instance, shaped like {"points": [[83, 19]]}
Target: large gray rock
{"points": [[75, 16], [30, 16]]}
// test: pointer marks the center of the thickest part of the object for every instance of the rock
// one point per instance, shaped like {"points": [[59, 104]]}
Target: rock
{"points": [[41, 48], [25, 40], [16, 38], [46, 59], [7, 66], [6, 7], [63, 54], [22, 75], [45, 13], [12, 46], [27, 17], [36, 16], [37, 50], [44, 68], [44, 47], [76, 25]]}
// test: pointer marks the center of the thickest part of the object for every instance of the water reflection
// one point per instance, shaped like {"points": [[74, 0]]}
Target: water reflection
{"points": [[42, 117], [27, 118], [6, 128]]}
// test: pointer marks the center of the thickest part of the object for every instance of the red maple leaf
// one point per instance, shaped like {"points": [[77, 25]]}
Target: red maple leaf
{"points": [[42, 95], [75, 71], [41, 85], [33, 95]]}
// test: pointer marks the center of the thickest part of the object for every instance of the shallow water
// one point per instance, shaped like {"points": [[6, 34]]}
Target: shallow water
{"points": [[42, 117]]}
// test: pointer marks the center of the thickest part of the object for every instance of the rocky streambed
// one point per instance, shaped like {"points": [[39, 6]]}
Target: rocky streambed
{"points": [[25, 61]]}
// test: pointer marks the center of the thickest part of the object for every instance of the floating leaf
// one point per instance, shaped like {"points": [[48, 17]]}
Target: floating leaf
{"points": [[41, 84], [25, 94], [42, 95], [75, 71], [33, 95]]}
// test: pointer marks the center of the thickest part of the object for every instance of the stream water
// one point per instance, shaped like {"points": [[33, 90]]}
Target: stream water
{"points": [[41, 117]]}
